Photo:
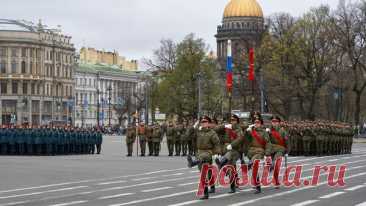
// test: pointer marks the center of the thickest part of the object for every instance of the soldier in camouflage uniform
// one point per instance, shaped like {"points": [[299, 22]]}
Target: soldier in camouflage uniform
{"points": [[184, 138], [178, 138], [208, 145]]}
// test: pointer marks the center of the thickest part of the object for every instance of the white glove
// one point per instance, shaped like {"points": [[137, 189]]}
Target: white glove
{"points": [[249, 129], [229, 126], [196, 124], [215, 156], [268, 130], [229, 147], [200, 128], [286, 155]]}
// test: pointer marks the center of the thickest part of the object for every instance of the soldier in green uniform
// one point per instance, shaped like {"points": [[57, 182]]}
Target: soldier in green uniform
{"points": [[149, 131], [184, 138], [280, 145], [232, 154], [259, 145], [142, 138], [130, 139], [157, 137], [178, 143], [208, 145], [307, 138], [170, 137]]}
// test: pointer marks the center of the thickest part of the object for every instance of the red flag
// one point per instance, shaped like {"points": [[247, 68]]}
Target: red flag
{"points": [[251, 64], [229, 81]]}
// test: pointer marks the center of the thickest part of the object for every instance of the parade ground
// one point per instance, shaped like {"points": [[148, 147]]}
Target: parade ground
{"points": [[112, 179]]}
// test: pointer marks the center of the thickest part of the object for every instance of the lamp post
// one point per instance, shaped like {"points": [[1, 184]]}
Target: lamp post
{"points": [[109, 105]]}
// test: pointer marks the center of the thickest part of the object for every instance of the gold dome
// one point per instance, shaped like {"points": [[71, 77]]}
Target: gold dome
{"points": [[243, 8]]}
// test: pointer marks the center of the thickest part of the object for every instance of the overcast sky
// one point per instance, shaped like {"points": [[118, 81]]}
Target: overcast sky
{"points": [[135, 27]]}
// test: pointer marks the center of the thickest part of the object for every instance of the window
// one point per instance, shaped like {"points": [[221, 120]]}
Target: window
{"points": [[31, 68], [14, 66], [77, 99], [33, 89], [15, 87], [25, 88], [3, 52], [23, 67], [14, 52], [24, 52], [3, 67], [38, 89], [4, 88]]}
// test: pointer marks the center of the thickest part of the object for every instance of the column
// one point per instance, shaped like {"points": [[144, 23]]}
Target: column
{"points": [[30, 111], [1, 110], [40, 111]]}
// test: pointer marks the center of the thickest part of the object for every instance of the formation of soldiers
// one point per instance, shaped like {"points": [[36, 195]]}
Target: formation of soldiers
{"points": [[319, 138], [228, 143], [49, 141]]}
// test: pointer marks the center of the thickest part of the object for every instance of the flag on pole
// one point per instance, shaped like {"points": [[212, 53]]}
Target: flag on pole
{"points": [[229, 68], [251, 64]]}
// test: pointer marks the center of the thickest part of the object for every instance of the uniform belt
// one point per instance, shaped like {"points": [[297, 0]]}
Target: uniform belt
{"points": [[205, 150]]}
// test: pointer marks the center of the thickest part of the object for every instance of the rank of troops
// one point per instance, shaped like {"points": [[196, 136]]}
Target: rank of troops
{"points": [[207, 141], [49, 141], [228, 143]]}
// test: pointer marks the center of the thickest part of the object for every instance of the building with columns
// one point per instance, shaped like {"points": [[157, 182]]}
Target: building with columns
{"points": [[243, 24], [36, 73], [106, 93]]}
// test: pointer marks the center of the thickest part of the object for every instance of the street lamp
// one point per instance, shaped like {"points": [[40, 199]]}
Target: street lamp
{"points": [[109, 105]]}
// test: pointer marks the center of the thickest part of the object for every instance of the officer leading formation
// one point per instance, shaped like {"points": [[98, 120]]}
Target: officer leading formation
{"points": [[49, 141]]}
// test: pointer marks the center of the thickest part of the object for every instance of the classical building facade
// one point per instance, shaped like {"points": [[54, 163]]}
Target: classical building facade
{"points": [[36, 73], [243, 24], [93, 56], [105, 93]]}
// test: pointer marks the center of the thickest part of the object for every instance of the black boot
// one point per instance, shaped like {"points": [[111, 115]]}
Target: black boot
{"points": [[258, 190], [232, 187], [191, 162], [205, 194], [212, 189]]}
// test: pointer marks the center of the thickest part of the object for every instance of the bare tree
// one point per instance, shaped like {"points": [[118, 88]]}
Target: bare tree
{"points": [[164, 58]]}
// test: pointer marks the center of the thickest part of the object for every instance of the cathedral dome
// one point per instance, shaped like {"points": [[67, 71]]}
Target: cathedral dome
{"points": [[243, 8]]}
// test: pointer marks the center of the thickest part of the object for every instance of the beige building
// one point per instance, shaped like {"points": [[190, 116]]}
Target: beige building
{"points": [[36, 74], [93, 56]]}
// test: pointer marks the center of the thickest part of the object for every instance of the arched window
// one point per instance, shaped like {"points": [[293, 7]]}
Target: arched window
{"points": [[23, 67]]}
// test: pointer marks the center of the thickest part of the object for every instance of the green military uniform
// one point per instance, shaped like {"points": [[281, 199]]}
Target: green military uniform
{"points": [[279, 141], [178, 138], [130, 139], [149, 131], [170, 137], [157, 137], [142, 139]]}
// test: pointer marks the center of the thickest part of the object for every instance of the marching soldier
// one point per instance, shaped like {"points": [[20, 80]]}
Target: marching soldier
{"points": [[170, 137], [149, 131], [259, 145], [280, 144], [178, 138], [232, 154], [157, 137], [142, 138], [208, 145], [130, 139]]}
